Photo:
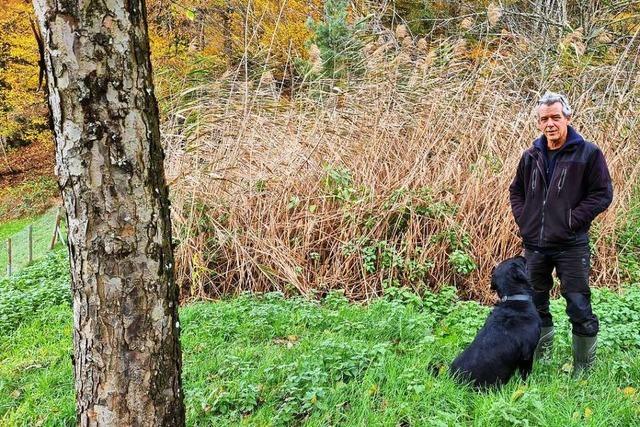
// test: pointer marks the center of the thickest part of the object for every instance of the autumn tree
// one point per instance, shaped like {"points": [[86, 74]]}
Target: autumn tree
{"points": [[127, 356], [23, 117]]}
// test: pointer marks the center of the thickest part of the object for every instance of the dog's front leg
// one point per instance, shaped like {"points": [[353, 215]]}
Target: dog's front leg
{"points": [[525, 368]]}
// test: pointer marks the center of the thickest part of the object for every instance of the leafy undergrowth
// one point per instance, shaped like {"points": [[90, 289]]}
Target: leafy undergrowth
{"points": [[629, 239], [41, 285], [266, 360]]}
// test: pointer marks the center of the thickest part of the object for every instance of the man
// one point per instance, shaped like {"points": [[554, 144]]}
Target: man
{"points": [[561, 185]]}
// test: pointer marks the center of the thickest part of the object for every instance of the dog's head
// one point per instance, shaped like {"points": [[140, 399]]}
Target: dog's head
{"points": [[510, 277]]}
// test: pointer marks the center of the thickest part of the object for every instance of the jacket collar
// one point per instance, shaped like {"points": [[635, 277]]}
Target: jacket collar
{"points": [[573, 140]]}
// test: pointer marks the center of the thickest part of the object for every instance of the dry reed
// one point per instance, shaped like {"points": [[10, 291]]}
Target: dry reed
{"points": [[252, 209]]}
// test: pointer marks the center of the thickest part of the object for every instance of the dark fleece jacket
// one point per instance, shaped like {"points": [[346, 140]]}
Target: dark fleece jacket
{"points": [[559, 213]]}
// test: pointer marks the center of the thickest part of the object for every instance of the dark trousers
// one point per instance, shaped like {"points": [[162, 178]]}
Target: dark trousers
{"points": [[572, 267]]}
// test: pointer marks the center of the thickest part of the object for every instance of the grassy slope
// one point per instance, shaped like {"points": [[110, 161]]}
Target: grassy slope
{"points": [[17, 230], [262, 361], [12, 227]]}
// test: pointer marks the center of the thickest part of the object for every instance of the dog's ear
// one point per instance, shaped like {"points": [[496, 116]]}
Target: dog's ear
{"points": [[518, 273]]}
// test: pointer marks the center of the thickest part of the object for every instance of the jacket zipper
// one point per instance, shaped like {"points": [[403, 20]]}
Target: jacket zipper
{"points": [[546, 188], [533, 181], [561, 180], [570, 228], [544, 202]]}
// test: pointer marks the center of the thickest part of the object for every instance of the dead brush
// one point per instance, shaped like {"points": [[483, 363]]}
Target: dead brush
{"points": [[422, 148]]}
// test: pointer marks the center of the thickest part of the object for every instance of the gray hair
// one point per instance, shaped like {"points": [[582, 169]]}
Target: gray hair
{"points": [[551, 98]]}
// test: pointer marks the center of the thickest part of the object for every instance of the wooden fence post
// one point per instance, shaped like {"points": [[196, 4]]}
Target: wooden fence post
{"points": [[55, 230], [9, 260], [30, 243]]}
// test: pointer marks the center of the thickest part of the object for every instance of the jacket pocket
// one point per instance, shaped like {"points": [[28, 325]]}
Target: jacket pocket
{"points": [[557, 227]]}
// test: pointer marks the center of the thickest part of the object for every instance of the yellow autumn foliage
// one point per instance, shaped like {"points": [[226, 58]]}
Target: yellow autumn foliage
{"points": [[191, 41], [198, 39], [23, 116]]}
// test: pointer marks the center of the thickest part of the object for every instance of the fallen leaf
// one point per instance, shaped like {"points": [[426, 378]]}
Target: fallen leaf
{"points": [[588, 413], [15, 394], [629, 391]]}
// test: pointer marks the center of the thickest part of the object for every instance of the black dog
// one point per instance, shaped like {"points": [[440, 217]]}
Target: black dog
{"points": [[509, 337]]}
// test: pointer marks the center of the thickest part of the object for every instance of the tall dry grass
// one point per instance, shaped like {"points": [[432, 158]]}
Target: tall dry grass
{"points": [[252, 209]]}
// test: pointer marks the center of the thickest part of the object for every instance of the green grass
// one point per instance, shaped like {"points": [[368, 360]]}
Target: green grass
{"points": [[9, 228], [18, 231], [272, 361]]}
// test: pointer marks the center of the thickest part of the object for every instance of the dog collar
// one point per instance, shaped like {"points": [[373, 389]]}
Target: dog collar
{"points": [[518, 297]]}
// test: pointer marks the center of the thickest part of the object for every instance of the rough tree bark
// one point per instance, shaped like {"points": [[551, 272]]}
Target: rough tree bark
{"points": [[109, 159]]}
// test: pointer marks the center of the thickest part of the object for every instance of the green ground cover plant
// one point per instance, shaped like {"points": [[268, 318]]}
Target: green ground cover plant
{"points": [[267, 360], [39, 286]]}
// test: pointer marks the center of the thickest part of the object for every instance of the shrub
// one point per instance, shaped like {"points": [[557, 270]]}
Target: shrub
{"points": [[337, 40], [629, 239]]}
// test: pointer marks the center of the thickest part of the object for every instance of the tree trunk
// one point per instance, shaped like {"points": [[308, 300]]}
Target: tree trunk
{"points": [[226, 12], [109, 159]]}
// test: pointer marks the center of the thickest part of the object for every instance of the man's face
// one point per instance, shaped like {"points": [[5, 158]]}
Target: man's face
{"points": [[553, 123]]}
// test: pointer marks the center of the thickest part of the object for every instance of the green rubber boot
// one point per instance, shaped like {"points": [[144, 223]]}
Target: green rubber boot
{"points": [[584, 354], [545, 344]]}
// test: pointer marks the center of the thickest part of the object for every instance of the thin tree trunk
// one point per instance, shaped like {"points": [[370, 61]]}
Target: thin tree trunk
{"points": [[4, 153], [226, 12], [109, 159]]}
